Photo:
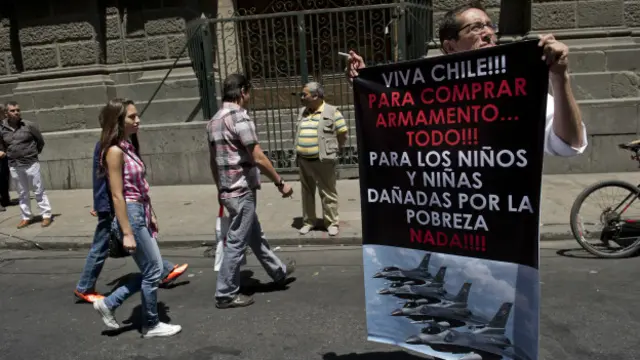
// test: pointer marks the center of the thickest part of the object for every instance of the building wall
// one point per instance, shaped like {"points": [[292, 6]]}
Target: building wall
{"points": [[74, 56], [604, 41], [605, 50], [63, 59]]}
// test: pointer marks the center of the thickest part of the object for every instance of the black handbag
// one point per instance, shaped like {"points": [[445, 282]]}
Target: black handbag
{"points": [[116, 246], [116, 250]]}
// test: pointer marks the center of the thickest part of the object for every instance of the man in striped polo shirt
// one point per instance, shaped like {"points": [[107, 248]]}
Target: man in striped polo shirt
{"points": [[321, 133], [236, 161]]}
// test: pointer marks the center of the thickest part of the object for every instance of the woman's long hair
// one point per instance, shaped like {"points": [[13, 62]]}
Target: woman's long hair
{"points": [[112, 120], [136, 145]]}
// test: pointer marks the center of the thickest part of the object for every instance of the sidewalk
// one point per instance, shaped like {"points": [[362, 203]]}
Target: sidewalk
{"points": [[186, 215]]}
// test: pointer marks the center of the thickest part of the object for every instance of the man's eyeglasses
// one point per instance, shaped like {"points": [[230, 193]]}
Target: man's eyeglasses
{"points": [[478, 26]]}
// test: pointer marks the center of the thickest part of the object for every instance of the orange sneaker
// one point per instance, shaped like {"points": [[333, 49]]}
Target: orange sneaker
{"points": [[89, 297], [177, 271]]}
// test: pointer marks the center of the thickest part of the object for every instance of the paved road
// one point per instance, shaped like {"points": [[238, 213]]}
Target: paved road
{"points": [[588, 311]]}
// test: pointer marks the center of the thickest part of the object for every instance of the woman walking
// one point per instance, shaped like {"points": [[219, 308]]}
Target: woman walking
{"points": [[103, 210], [126, 171]]}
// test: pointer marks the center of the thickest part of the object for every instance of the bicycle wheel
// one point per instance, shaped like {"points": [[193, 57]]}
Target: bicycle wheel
{"points": [[614, 227]]}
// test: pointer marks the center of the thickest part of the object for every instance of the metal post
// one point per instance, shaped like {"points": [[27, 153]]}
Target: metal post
{"points": [[402, 30], [209, 78], [515, 17], [302, 43]]}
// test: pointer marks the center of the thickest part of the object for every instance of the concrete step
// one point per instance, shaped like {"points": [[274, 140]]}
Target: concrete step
{"points": [[605, 85], [172, 89], [611, 116], [598, 58]]}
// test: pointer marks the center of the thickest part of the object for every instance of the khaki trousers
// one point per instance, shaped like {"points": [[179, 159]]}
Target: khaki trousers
{"points": [[322, 174]]}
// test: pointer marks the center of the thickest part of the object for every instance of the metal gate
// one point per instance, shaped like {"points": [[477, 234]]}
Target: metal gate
{"points": [[290, 42]]}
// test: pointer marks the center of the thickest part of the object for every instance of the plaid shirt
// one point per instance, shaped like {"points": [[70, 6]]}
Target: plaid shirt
{"points": [[135, 185], [231, 131]]}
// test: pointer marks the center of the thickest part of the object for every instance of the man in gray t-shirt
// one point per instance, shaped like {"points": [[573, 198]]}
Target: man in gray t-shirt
{"points": [[21, 143]]}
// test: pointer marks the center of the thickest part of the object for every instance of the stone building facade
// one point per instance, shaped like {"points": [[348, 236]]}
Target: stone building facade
{"points": [[62, 59]]}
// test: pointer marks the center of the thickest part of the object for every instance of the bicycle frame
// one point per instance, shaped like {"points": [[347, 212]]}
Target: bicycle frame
{"points": [[631, 223], [636, 157], [627, 198]]}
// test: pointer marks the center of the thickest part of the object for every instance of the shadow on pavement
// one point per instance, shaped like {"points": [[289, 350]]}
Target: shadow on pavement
{"points": [[38, 218], [250, 286], [577, 253], [395, 355], [297, 223], [124, 279], [580, 253]]}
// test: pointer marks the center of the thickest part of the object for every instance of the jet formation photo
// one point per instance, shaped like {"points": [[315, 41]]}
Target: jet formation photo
{"points": [[449, 324]]}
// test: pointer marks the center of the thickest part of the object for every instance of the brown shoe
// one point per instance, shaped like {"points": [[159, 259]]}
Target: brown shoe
{"points": [[46, 222], [235, 302], [24, 223]]}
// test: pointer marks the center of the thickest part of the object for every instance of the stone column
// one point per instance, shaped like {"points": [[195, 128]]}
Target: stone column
{"points": [[7, 63], [228, 54]]}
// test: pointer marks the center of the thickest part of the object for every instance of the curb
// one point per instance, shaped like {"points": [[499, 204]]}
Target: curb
{"points": [[65, 244], [554, 233]]}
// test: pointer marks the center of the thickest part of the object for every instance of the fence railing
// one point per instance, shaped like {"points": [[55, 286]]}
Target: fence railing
{"points": [[284, 46]]}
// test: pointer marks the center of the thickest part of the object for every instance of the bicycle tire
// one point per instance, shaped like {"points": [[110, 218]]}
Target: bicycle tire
{"points": [[577, 205]]}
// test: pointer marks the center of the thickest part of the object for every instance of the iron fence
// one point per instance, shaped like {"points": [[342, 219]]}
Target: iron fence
{"points": [[288, 43]]}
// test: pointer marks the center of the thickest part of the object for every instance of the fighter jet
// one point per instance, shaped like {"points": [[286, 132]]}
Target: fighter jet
{"points": [[483, 341], [406, 290], [475, 345], [423, 266], [423, 313], [494, 326], [423, 296], [440, 319], [415, 276], [435, 283]]}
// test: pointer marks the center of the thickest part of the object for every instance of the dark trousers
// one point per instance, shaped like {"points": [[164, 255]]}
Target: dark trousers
{"points": [[5, 181]]}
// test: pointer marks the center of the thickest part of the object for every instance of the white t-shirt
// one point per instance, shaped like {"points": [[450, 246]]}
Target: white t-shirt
{"points": [[555, 146]]}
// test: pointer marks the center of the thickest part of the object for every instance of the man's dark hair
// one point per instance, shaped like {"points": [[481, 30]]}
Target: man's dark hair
{"points": [[233, 86], [449, 26], [10, 103]]}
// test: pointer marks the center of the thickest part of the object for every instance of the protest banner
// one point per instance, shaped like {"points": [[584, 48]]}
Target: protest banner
{"points": [[451, 151]]}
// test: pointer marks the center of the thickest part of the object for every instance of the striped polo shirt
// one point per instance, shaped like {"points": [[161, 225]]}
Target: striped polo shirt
{"points": [[308, 138]]}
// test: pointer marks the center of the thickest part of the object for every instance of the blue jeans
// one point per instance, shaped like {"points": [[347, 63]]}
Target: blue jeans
{"points": [[99, 252], [147, 257], [244, 230], [97, 255]]}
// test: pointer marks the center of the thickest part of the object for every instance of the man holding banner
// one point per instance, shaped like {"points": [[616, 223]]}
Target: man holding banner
{"points": [[450, 153], [468, 27]]}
